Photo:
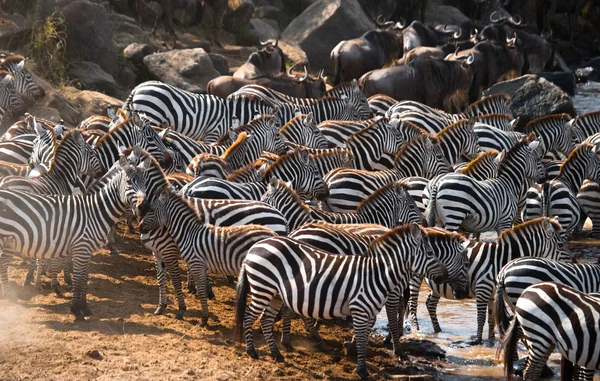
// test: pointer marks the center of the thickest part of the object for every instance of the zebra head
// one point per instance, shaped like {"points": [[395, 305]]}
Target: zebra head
{"points": [[154, 215], [10, 100], [44, 145], [593, 165], [405, 209], [435, 161], [273, 141], [555, 247], [208, 165], [88, 162], [132, 186], [152, 141], [470, 144], [313, 137], [24, 82]]}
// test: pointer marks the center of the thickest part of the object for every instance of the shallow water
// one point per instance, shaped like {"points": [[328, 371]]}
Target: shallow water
{"points": [[587, 98]]}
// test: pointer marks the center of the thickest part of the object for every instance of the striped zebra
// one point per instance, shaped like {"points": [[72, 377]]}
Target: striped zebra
{"points": [[380, 103], [11, 102], [205, 117], [209, 165], [589, 199], [559, 197], [236, 153], [521, 273], [427, 122], [295, 166], [388, 206], [536, 238], [586, 125], [338, 131], [46, 227], [348, 187], [302, 130], [329, 108], [458, 141], [503, 122], [203, 247], [552, 316], [458, 201], [177, 181], [493, 138], [331, 159], [266, 274], [23, 81], [554, 131]]}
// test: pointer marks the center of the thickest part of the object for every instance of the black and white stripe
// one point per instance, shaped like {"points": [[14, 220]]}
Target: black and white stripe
{"points": [[338, 131], [328, 108], [302, 130]]}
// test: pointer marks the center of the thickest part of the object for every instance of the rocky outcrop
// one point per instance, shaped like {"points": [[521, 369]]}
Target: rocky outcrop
{"points": [[323, 25], [94, 103], [533, 97], [92, 77], [126, 31], [189, 69], [13, 30], [136, 52], [89, 36], [220, 63]]}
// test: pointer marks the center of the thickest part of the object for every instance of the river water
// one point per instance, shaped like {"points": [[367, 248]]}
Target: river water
{"points": [[458, 318]]}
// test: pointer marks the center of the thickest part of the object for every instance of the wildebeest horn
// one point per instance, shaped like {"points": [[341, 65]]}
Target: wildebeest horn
{"points": [[474, 32], [546, 33], [457, 57], [289, 71], [378, 22], [262, 43], [321, 72], [471, 59], [494, 19], [515, 20], [457, 34], [305, 74], [511, 41], [401, 23]]}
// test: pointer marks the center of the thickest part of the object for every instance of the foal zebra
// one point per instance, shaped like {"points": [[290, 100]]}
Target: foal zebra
{"points": [[321, 288], [548, 316]]}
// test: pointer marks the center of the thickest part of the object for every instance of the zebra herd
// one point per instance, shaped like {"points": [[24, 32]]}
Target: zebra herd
{"points": [[322, 208]]}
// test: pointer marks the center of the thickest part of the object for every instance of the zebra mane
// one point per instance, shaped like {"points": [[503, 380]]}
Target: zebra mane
{"points": [[113, 130], [373, 197], [491, 116], [513, 151], [440, 233], [235, 145], [455, 125], [349, 85], [488, 99], [281, 160], [414, 142], [291, 123], [396, 233], [11, 59], [475, 162], [577, 152], [282, 187], [65, 140], [241, 171], [367, 130], [517, 229], [256, 122], [533, 125], [144, 155]]}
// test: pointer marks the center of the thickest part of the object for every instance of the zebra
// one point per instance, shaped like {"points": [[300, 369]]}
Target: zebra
{"points": [[302, 130], [96, 122], [348, 187], [355, 94], [328, 108], [461, 202], [379, 103], [459, 140], [189, 148], [209, 165], [46, 227], [388, 206], [265, 275], [427, 122], [554, 131], [203, 247], [585, 125], [558, 197], [235, 155], [521, 273], [24, 82], [10, 100], [539, 238], [551, 315], [338, 131], [177, 181], [331, 159], [296, 166], [589, 199], [503, 122], [493, 138]]}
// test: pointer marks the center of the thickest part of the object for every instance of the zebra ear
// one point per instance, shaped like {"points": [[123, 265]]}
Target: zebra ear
{"points": [[110, 111], [534, 144], [305, 156], [416, 232], [273, 183], [164, 133], [500, 157], [21, 65], [59, 128], [595, 149], [297, 111], [233, 135], [75, 134], [39, 130], [308, 119], [6, 80]]}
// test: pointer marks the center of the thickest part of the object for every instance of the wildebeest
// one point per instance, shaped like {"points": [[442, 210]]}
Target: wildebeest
{"points": [[373, 50], [299, 87], [492, 62], [166, 14], [267, 62], [437, 83], [418, 34], [439, 52], [548, 8]]}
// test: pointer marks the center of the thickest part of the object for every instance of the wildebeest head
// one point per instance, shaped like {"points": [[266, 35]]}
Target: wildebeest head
{"points": [[314, 88], [267, 62]]}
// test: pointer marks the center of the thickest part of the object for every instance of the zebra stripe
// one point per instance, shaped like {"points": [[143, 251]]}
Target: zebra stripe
{"points": [[321, 288], [338, 131], [536, 238], [302, 130], [371, 146], [549, 316], [331, 159], [380, 104], [586, 125], [23, 81], [323, 109], [554, 131], [493, 138], [503, 122], [589, 200], [458, 140], [10, 100]]}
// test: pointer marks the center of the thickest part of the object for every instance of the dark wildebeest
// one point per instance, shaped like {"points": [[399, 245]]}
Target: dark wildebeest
{"points": [[537, 51], [438, 52], [166, 14], [299, 87], [373, 50], [437, 83], [548, 8], [418, 34], [492, 62], [267, 62]]}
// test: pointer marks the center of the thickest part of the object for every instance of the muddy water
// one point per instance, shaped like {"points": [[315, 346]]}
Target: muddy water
{"points": [[458, 318]]}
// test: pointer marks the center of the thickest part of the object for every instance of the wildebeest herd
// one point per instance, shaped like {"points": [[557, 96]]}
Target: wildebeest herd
{"points": [[327, 203]]}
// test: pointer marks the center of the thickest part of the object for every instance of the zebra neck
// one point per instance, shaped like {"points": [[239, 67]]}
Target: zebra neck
{"points": [[512, 175], [571, 177], [108, 201], [384, 270], [64, 170], [180, 214], [107, 148]]}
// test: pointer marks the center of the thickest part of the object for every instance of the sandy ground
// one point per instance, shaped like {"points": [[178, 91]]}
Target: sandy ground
{"points": [[40, 340]]}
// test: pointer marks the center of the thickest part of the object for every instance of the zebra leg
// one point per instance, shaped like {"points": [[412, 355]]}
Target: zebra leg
{"points": [[30, 272], [68, 269], [110, 244], [362, 327], [199, 272], [161, 276], [431, 303], [491, 321], [482, 298], [392, 307], [536, 359], [4, 287], [40, 264], [267, 321], [81, 266], [286, 324], [130, 225], [257, 305], [173, 269], [312, 328], [413, 301], [55, 268]]}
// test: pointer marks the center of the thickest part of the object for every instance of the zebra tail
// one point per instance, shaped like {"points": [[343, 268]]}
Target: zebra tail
{"points": [[567, 369], [430, 210], [241, 296], [502, 318], [510, 349], [127, 105]]}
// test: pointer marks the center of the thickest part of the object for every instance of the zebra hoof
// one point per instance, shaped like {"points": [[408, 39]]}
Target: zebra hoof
{"points": [[58, 292], [288, 347], [363, 373], [350, 349], [278, 357], [252, 353], [211, 295], [68, 281], [388, 339], [473, 342], [28, 278], [400, 353], [86, 310], [179, 315], [203, 322], [160, 310], [131, 229]]}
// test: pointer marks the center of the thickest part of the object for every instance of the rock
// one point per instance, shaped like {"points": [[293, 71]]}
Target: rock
{"points": [[136, 52], [95, 103], [127, 77], [587, 74], [422, 348], [533, 97], [49, 113], [271, 13], [94, 353], [220, 63], [70, 114], [89, 36], [126, 31], [293, 52], [92, 77], [318, 29], [234, 21], [13, 30], [443, 14], [188, 69], [258, 29], [565, 80]]}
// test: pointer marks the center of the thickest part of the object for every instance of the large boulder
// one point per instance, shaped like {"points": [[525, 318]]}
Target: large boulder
{"points": [[293, 52], [271, 13], [13, 30], [323, 25], [94, 103], [136, 52], [92, 77], [533, 97], [126, 31], [89, 35], [188, 69]]}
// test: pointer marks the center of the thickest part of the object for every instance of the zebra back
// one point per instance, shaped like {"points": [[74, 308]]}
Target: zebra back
{"points": [[504, 122], [380, 103], [246, 108], [483, 167], [323, 109], [333, 158], [586, 125], [338, 131], [554, 131], [209, 165], [10, 100], [493, 104], [331, 238], [355, 94]]}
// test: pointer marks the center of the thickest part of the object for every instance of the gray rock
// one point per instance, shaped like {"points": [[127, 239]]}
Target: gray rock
{"points": [[126, 31], [92, 77], [264, 29], [127, 77], [67, 111], [89, 36], [533, 97], [271, 13], [136, 52], [189, 69], [437, 13], [220, 63], [13, 30], [323, 25], [293, 52], [95, 103]]}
